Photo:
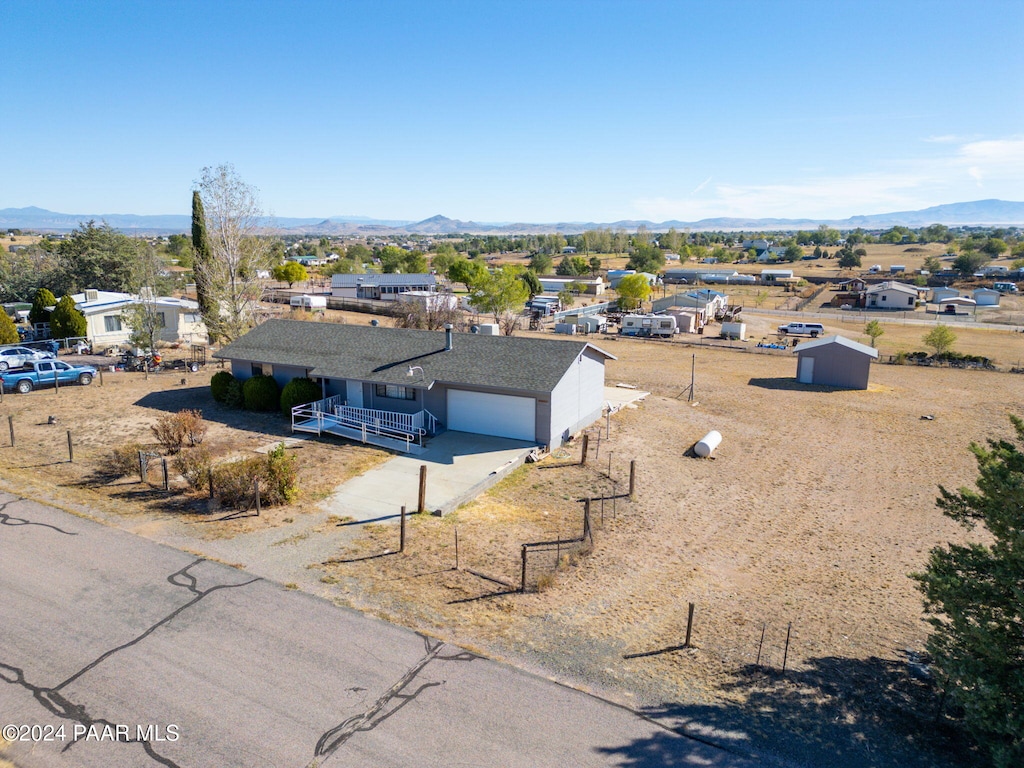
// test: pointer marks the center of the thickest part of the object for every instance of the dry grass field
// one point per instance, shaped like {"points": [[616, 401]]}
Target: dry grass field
{"points": [[807, 521]]}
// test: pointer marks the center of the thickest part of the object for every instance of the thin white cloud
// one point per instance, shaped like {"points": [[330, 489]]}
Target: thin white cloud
{"points": [[701, 186], [997, 165], [948, 138]]}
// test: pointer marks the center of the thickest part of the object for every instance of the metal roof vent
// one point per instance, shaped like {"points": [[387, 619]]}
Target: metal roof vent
{"points": [[447, 337]]}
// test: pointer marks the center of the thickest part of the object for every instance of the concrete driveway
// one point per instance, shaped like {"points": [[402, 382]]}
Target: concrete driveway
{"points": [[460, 466]]}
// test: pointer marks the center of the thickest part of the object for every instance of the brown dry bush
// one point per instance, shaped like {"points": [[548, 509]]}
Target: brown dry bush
{"points": [[169, 432], [124, 459], [194, 426]]}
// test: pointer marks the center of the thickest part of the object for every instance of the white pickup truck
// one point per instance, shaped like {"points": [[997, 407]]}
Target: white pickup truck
{"points": [[802, 329]]}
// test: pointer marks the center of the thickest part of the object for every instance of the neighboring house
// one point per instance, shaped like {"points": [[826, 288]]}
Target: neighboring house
{"points": [[891, 295], [104, 316], [705, 304], [536, 390], [384, 287], [852, 285], [592, 286], [834, 361]]}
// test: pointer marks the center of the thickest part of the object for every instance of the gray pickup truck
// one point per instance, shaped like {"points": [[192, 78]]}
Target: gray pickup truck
{"points": [[47, 373]]}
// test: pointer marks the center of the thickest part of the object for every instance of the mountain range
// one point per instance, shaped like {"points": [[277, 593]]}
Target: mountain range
{"points": [[975, 213]]}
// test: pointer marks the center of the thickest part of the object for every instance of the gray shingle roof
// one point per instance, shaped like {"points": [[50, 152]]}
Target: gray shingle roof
{"points": [[391, 278], [384, 355]]}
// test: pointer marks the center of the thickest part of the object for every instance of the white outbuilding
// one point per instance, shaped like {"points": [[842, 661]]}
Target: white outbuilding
{"points": [[986, 297]]}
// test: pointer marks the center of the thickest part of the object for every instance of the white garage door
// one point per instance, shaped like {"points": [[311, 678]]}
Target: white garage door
{"points": [[487, 414]]}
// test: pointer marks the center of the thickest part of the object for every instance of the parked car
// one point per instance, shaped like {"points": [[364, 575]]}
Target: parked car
{"points": [[802, 329], [16, 357], [47, 373]]}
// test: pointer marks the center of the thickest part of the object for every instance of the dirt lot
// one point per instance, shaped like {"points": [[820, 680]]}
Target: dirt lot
{"points": [[815, 508], [806, 522]]}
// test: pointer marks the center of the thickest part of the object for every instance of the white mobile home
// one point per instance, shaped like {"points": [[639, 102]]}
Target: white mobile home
{"points": [[649, 325]]}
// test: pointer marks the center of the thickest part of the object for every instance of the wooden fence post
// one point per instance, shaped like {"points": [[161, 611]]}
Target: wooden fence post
{"points": [[632, 479], [422, 506], [689, 626], [10, 423], [210, 478], [142, 467], [586, 445], [456, 548], [71, 449], [100, 372], [522, 585], [401, 534], [167, 476], [256, 482], [785, 653]]}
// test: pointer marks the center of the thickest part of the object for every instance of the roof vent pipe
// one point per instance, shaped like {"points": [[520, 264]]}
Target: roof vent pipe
{"points": [[447, 337]]}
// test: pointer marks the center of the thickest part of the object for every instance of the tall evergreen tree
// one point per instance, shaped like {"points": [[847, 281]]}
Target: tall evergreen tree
{"points": [[44, 298], [201, 255], [975, 597]]}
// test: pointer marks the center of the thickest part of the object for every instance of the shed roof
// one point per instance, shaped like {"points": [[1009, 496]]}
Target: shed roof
{"points": [[842, 341], [384, 355], [378, 279]]}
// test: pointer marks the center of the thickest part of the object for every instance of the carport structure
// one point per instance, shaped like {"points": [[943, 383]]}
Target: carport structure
{"points": [[393, 387]]}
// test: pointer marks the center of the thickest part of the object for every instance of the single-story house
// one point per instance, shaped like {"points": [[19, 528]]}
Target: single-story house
{"points": [[385, 287], [105, 325], [592, 286], [536, 390], [892, 295], [834, 361]]}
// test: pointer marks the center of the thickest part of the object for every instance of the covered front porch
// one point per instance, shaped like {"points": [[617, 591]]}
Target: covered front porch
{"points": [[403, 432]]}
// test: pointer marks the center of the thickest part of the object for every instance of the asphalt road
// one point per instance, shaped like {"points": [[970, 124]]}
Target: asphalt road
{"points": [[103, 633]]}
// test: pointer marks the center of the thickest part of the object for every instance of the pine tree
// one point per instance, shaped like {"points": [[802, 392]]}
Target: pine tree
{"points": [[44, 298], [975, 597], [66, 322], [201, 255]]}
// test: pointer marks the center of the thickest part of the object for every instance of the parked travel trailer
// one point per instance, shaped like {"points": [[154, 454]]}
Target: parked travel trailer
{"points": [[311, 303], [648, 325]]}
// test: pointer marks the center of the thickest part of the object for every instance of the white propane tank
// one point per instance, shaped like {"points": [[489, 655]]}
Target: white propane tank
{"points": [[707, 444]]}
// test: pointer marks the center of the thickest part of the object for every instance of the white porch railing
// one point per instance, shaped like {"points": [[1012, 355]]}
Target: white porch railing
{"points": [[331, 412], [402, 422]]}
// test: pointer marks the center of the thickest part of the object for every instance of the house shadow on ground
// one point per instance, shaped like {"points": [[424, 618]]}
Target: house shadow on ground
{"points": [[793, 384], [832, 713], [199, 398]]}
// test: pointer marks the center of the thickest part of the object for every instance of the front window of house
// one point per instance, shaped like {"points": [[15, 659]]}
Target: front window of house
{"points": [[395, 392]]}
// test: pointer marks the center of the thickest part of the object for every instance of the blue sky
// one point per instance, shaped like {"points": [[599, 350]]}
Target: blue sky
{"points": [[514, 111]]}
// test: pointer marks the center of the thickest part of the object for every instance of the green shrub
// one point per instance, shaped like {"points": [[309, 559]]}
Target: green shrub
{"points": [[219, 383], [194, 465], [261, 393], [233, 394], [124, 459], [299, 392], [234, 482], [281, 477]]}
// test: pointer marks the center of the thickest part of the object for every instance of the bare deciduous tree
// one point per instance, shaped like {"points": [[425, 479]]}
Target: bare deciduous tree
{"points": [[237, 253]]}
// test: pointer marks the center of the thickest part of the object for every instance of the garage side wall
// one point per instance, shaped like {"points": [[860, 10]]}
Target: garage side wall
{"points": [[836, 366], [578, 399]]}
